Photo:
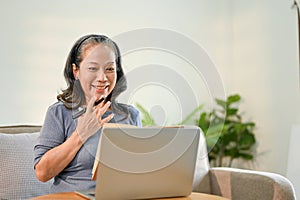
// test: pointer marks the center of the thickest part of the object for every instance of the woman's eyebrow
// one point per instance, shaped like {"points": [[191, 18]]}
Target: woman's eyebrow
{"points": [[109, 63], [93, 62], [96, 63]]}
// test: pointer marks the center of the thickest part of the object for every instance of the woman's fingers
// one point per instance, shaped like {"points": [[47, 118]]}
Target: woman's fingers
{"points": [[91, 121], [101, 109], [107, 119], [90, 104]]}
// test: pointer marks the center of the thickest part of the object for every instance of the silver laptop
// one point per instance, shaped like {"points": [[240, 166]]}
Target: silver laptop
{"points": [[144, 163]]}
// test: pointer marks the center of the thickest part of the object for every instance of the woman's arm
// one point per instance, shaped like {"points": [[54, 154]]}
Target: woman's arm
{"points": [[56, 159]]}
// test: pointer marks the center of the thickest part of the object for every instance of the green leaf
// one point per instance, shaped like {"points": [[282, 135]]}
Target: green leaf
{"points": [[222, 103], [232, 152], [211, 141], [246, 156], [250, 124], [238, 127], [231, 111], [233, 98], [246, 140], [215, 129], [213, 134], [147, 119], [191, 115], [203, 122]]}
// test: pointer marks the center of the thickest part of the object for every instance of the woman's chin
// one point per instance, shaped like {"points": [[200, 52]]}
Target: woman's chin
{"points": [[100, 95]]}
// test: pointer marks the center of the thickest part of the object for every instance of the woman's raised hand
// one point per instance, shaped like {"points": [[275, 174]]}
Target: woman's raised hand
{"points": [[91, 121]]}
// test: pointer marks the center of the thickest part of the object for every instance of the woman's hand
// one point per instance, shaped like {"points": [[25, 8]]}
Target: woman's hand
{"points": [[57, 159], [91, 121]]}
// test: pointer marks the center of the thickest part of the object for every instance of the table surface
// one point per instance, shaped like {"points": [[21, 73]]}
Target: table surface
{"points": [[74, 196]]}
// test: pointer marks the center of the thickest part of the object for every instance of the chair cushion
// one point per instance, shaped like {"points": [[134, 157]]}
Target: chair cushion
{"points": [[18, 180], [201, 178]]}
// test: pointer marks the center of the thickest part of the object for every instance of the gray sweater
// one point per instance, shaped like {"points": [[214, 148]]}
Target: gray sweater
{"points": [[57, 127]]}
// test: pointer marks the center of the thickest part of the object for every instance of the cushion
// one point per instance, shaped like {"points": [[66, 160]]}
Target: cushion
{"points": [[201, 177], [17, 176]]}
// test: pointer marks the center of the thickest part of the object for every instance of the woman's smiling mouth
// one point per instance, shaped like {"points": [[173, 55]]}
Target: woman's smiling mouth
{"points": [[101, 89]]}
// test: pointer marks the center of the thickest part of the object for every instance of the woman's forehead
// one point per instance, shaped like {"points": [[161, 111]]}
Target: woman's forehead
{"points": [[99, 52]]}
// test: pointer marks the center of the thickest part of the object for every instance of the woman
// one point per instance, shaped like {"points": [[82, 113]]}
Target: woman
{"points": [[67, 145]]}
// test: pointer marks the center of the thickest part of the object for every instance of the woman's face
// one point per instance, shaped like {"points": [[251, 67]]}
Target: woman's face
{"points": [[97, 71]]}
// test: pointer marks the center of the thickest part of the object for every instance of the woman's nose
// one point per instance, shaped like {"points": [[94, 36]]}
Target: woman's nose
{"points": [[101, 76]]}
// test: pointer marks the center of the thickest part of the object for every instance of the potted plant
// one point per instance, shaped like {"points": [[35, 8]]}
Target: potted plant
{"points": [[228, 137]]}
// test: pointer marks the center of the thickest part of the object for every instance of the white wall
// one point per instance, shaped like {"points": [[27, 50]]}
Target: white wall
{"points": [[252, 43], [37, 36], [266, 73]]}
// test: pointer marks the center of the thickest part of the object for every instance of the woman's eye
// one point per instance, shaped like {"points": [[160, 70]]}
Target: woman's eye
{"points": [[110, 69], [92, 68]]}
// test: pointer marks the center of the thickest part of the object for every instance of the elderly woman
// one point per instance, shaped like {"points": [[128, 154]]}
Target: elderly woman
{"points": [[69, 137]]}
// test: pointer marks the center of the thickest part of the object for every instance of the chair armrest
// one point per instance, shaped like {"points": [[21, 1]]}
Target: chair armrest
{"points": [[249, 184]]}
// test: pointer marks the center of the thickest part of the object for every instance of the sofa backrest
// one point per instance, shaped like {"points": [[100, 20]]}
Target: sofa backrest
{"points": [[17, 176], [20, 129]]}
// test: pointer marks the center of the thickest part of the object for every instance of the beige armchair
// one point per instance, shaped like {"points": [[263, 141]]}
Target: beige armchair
{"points": [[17, 176], [239, 184]]}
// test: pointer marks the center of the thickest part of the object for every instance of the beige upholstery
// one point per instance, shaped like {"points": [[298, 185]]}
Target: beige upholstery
{"points": [[248, 184], [239, 184], [20, 129], [17, 176]]}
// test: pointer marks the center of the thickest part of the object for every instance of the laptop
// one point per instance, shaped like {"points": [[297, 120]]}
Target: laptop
{"points": [[145, 163]]}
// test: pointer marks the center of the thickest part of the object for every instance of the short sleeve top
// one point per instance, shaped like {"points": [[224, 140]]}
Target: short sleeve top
{"points": [[57, 128]]}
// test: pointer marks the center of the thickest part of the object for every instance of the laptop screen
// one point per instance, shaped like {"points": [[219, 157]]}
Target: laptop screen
{"points": [[139, 163]]}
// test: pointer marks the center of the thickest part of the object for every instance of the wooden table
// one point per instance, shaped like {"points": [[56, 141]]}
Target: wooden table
{"points": [[74, 196]]}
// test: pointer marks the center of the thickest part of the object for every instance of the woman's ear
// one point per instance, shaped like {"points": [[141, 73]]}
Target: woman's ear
{"points": [[75, 71]]}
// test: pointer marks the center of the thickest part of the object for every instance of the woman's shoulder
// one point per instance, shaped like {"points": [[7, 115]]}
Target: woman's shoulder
{"points": [[58, 108], [131, 109], [133, 114]]}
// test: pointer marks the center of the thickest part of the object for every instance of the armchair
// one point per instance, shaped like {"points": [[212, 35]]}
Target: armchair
{"points": [[237, 184]]}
